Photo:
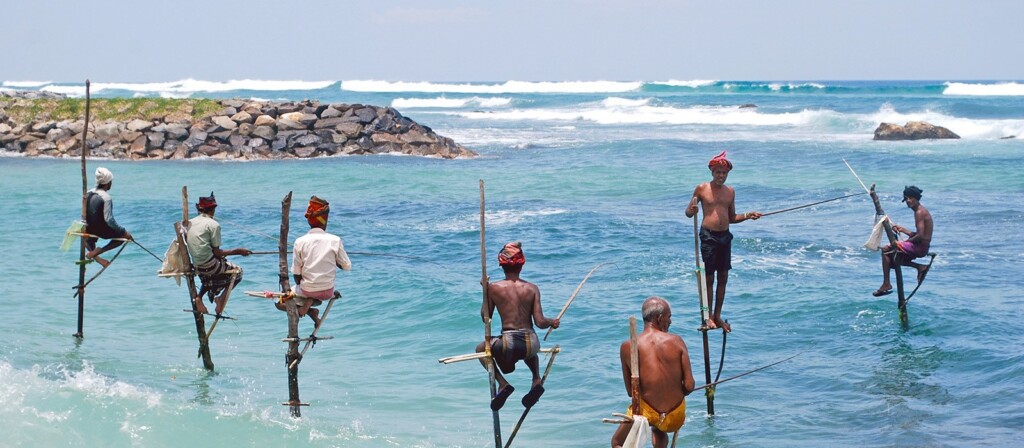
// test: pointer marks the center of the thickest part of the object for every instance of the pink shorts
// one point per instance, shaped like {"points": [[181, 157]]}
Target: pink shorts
{"points": [[319, 295]]}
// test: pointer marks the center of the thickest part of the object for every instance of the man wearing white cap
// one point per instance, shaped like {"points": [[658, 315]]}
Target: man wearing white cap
{"points": [[99, 218]]}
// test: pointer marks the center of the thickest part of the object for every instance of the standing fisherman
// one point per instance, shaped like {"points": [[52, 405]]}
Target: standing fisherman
{"points": [[719, 203], [99, 221]]}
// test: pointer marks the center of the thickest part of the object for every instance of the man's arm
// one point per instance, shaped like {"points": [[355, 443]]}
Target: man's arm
{"points": [[487, 307], [691, 209], [687, 371], [341, 260], [217, 252], [538, 313], [733, 217], [627, 374], [108, 216]]}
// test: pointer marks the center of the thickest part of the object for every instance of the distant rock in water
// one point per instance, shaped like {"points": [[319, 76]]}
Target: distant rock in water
{"points": [[748, 106], [241, 130], [914, 130]]}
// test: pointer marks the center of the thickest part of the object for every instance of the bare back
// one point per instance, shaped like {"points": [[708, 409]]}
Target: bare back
{"points": [[923, 222], [518, 303], [718, 203], [665, 374]]}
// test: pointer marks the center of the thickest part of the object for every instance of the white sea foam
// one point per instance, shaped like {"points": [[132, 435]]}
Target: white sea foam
{"points": [[1001, 89], [625, 111], [188, 86], [505, 87], [695, 83], [442, 102], [497, 218], [25, 84]]}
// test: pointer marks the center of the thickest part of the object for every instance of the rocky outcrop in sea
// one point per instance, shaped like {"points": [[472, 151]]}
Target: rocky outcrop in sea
{"points": [[241, 130], [914, 130]]}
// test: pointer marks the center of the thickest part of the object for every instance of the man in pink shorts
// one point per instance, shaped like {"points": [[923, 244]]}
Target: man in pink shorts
{"points": [[914, 247]]}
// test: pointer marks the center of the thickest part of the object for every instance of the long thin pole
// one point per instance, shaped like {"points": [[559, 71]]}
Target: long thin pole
{"points": [[180, 230], [294, 403], [519, 424], [809, 205], [572, 297], [901, 302], [744, 373], [705, 310], [85, 191], [484, 282]]}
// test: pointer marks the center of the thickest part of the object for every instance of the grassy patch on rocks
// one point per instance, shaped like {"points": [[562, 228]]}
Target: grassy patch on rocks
{"points": [[101, 109]]}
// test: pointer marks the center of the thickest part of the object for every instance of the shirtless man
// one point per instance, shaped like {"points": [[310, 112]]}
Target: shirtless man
{"points": [[665, 375], [719, 203], [914, 247], [518, 303]]}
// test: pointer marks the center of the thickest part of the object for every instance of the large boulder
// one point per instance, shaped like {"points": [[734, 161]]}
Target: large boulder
{"points": [[914, 130]]}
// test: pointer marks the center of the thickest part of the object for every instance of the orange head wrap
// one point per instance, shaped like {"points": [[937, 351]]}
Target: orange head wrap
{"points": [[316, 213], [720, 160], [512, 255]]}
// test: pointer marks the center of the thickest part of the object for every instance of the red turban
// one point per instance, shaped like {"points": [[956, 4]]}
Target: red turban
{"points": [[720, 160], [207, 202], [317, 211], [512, 254]]}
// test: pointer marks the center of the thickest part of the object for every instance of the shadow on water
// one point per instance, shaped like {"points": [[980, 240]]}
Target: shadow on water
{"points": [[201, 384], [903, 382]]}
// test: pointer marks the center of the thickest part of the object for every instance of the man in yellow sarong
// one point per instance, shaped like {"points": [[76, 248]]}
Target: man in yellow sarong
{"points": [[665, 375]]}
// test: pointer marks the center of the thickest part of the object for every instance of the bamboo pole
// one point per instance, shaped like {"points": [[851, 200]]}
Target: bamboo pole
{"points": [[294, 403], [484, 282], [705, 310], [85, 208], [634, 367], [180, 231], [571, 298], [901, 302], [543, 379]]}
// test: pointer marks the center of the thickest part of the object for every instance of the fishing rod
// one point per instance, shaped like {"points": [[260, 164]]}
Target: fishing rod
{"points": [[148, 251], [813, 204], [866, 190], [375, 254], [573, 296], [745, 373]]}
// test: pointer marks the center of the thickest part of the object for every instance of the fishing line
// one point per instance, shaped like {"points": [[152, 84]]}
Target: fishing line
{"points": [[810, 205]]}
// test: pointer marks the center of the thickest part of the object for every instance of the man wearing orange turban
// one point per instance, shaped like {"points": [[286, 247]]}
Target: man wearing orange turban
{"points": [[315, 257], [718, 201], [518, 304]]}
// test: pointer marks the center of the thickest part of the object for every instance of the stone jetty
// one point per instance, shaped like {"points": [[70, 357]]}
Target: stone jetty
{"points": [[240, 130]]}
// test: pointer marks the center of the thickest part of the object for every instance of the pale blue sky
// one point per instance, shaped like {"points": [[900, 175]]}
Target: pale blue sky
{"points": [[490, 40]]}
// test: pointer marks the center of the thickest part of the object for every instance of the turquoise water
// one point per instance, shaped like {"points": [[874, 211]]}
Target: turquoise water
{"points": [[581, 178]]}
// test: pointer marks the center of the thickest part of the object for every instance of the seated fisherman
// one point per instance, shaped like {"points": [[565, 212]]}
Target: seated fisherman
{"points": [[665, 375], [518, 304], [315, 256], [915, 246], [99, 218], [210, 261]]}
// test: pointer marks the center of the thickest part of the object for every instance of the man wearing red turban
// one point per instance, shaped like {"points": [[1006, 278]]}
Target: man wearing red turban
{"points": [[718, 201], [518, 304], [315, 257]]}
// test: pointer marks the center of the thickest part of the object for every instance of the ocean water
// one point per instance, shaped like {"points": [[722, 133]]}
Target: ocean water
{"points": [[582, 173]]}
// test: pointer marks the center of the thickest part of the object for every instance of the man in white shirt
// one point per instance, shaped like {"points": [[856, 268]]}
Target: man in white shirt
{"points": [[315, 256]]}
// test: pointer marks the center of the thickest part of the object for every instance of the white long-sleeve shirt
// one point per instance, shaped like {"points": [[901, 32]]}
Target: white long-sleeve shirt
{"points": [[315, 256]]}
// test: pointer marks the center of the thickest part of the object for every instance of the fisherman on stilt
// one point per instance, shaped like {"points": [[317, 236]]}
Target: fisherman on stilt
{"points": [[665, 375], [718, 201], [914, 247], [99, 221], [518, 304], [209, 259], [316, 255]]}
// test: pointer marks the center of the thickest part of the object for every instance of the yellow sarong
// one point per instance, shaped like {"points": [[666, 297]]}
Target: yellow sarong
{"points": [[664, 422]]}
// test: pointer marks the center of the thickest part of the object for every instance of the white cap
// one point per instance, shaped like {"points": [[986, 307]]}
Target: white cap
{"points": [[103, 176]]}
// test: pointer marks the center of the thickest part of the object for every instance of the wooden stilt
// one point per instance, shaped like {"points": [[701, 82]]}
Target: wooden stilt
{"points": [[292, 357], [180, 232], [484, 282], [312, 336], [705, 310], [901, 302], [544, 378], [85, 205]]}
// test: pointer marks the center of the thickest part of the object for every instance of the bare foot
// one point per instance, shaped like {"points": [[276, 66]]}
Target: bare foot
{"points": [[710, 323], [719, 323], [200, 306], [221, 302], [315, 315], [101, 261]]}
